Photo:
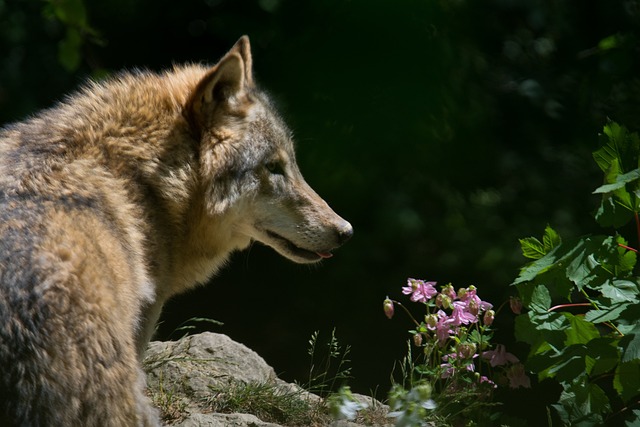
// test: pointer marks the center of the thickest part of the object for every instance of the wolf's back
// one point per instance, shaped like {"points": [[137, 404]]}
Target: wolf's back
{"points": [[69, 266]]}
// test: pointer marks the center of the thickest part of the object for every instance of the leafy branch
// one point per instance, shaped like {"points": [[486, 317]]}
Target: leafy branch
{"points": [[593, 354]]}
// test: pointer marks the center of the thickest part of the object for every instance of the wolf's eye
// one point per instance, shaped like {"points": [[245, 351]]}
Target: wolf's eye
{"points": [[275, 168]]}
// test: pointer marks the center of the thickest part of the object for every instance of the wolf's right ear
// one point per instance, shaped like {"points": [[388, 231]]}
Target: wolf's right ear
{"points": [[223, 83]]}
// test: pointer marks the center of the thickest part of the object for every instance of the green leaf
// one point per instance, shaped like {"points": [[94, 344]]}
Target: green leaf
{"points": [[611, 42], [620, 182], [608, 315], [569, 364], [580, 331], [626, 380], [540, 300], [571, 263], [620, 291], [551, 239], [69, 50], [602, 356], [71, 12], [618, 145], [630, 344], [618, 159], [525, 330], [605, 156], [552, 326], [634, 419], [627, 260], [610, 213], [582, 403], [532, 248]]}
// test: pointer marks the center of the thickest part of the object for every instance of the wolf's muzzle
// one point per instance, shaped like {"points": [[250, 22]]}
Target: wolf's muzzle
{"points": [[344, 232]]}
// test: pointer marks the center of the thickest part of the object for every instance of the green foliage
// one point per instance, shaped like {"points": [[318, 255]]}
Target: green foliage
{"points": [[327, 369], [190, 326], [73, 15], [270, 402], [534, 249], [583, 296]]}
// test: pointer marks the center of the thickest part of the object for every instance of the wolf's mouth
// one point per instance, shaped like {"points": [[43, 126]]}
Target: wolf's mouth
{"points": [[296, 251]]}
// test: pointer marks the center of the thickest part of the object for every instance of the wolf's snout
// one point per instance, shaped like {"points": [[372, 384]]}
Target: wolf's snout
{"points": [[345, 231]]}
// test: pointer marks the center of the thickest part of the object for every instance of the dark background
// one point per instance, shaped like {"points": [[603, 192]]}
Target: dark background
{"points": [[442, 130]]}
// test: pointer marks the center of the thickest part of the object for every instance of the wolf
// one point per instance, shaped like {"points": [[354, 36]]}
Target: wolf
{"points": [[126, 193]]}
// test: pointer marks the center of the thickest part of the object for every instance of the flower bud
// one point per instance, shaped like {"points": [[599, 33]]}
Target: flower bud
{"points": [[473, 307], [489, 315], [462, 292], [387, 305], [417, 340], [515, 304], [431, 320], [449, 291], [443, 301], [467, 350]]}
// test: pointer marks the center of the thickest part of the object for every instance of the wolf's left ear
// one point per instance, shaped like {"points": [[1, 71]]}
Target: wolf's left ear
{"points": [[226, 80]]}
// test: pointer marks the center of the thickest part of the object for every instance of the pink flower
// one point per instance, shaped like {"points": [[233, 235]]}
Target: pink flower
{"points": [[460, 314], [517, 377], [484, 379], [471, 294], [442, 326], [450, 370], [420, 290], [499, 356]]}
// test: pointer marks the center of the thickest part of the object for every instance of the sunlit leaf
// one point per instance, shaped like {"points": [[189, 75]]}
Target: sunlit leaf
{"points": [[551, 239], [532, 248], [569, 264], [619, 145]]}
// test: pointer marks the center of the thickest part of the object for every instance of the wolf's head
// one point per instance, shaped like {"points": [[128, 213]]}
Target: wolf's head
{"points": [[248, 163]]}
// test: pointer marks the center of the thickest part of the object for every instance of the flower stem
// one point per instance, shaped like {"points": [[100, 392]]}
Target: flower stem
{"points": [[407, 311], [577, 304], [627, 247]]}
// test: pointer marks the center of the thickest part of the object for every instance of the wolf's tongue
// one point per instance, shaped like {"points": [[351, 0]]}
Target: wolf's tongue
{"points": [[324, 254]]}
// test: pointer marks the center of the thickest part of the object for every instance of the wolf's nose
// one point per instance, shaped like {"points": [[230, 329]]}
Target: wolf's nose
{"points": [[345, 231]]}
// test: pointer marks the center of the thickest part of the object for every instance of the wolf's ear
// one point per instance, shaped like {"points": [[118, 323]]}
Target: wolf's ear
{"points": [[243, 48], [225, 81]]}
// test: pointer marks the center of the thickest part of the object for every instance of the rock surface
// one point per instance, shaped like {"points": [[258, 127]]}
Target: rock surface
{"points": [[190, 379]]}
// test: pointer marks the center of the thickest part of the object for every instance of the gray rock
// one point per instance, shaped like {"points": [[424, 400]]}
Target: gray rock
{"points": [[196, 364], [223, 420], [185, 376]]}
